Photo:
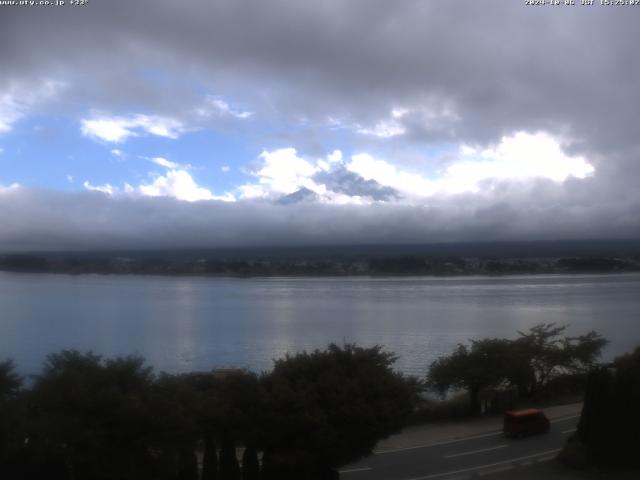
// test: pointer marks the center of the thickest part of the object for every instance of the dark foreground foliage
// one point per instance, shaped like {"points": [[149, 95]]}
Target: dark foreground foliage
{"points": [[533, 364], [90, 418], [329, 408], [609, 428]]}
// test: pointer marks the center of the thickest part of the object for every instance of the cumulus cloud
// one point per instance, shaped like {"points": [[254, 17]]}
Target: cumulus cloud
{"points": [[459, 66], [385, 173], [387, 82], [179, 184], [10, 112], [384, 129], [175, 183], [281, 171], [10, 188], [18, 98], [222, 108], [522, 156], [163, 162], [117, 129], [285, 174], [104, 188]]}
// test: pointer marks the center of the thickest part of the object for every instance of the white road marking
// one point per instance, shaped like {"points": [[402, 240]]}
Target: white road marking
{"points": [[495, 470], [353, 470], [545, 459], [427, 445], [472, 452], [483, 467], [571, 430]]}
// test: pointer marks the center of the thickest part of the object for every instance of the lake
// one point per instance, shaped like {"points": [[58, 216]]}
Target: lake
{"points": [[194, 323]]}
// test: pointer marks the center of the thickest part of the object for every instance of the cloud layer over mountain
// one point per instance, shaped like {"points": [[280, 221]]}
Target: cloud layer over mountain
{"points": [[369, 121]]}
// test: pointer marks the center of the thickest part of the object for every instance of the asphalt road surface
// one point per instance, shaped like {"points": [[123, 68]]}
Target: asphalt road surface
{"points": [[476, 456]]}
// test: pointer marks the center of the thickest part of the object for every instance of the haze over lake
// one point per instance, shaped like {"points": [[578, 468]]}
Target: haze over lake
{"points": [[190, 323]]}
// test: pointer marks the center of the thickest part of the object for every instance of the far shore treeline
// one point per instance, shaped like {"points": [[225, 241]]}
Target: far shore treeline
{"points": [[326, 266], [465, 258], [88, 417]]}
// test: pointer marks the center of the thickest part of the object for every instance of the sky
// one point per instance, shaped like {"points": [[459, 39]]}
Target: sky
{"points": [[164, 124]]}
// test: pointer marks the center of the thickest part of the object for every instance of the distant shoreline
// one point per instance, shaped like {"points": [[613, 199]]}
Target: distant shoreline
{"points": [[337, 267]]}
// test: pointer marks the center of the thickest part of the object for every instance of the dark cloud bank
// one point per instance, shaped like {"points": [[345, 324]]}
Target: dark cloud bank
{"points": [[45, 220], [470, 71]]}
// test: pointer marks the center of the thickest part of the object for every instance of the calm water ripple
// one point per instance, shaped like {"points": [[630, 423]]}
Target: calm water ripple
{"points": [[191, 323]]}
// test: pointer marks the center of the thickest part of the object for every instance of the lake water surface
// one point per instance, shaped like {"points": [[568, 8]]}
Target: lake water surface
{"points": [[192, 323]]}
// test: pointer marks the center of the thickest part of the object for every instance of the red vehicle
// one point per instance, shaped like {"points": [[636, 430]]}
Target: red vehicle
{"points": [[518, 423]]}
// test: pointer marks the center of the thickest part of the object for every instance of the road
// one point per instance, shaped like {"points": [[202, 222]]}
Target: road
{"points": [[478, 455]]}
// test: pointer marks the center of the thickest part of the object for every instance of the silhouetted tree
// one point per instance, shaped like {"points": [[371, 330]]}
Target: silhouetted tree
{"points": [[11, 422], [87, 418], [210, 459], [329, 408], [528, 363], [10, 381], [176, 429], [250, 464], [543, 353], [230, 408], [188, 464], [90, 416], [485, 364], [229, 467], [609, 426]]}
